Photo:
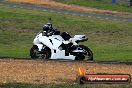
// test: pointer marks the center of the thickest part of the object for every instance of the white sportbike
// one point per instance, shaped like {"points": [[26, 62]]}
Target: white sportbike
{"points": [[56, 45]]}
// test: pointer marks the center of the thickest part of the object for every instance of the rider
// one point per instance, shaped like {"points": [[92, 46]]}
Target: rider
{"points": [[48, 29]]}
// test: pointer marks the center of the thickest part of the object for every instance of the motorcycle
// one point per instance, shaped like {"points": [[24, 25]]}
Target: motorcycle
{"points": [[56, 45]]}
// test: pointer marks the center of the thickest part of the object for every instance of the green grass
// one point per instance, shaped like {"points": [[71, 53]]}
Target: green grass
{"points": [[22, 85], [109, 40], [100, 4]]}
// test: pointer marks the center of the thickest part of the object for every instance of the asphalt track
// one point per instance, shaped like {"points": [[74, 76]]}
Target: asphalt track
{"points": [[69, 61], [39, 7]]}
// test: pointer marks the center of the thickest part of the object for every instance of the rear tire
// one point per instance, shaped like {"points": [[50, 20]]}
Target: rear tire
{"points": [[44, 54], [33, 52]]}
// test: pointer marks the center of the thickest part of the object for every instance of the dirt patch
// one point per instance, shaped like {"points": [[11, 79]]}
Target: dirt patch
{"points": [[39, 71], [53, 4]]}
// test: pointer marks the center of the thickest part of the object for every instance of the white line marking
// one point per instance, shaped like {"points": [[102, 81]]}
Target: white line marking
{"points": [[44, 10], [74, 14], [81, 15], [98, 17], [53, 11], [107, 18], [114, 19], [89, 16], [65, 13], [14, 6]]}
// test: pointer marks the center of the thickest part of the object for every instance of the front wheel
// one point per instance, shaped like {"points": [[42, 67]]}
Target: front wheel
{"points": [[86, 55]]}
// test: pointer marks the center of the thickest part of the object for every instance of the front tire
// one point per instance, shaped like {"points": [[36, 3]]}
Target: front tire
{"points": [[88, 55]]}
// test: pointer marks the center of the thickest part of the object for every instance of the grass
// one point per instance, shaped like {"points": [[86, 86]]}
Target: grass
{"points": [[109, 40], [100, 4], [22, 85]]}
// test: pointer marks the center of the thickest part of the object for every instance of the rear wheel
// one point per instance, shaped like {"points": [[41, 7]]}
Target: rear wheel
{"points": [[35, 53]]}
